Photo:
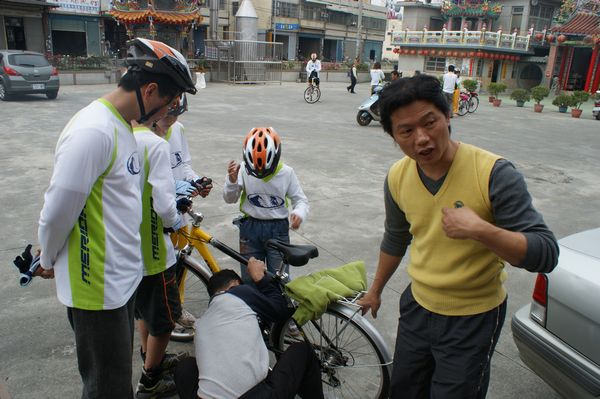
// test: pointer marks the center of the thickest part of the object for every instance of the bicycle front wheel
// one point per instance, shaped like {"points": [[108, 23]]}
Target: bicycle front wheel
{"points": [[353, 357], [473, 104], [312, 94], [195, 296]]}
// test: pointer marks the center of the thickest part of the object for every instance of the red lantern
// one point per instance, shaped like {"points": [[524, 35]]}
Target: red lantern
{"points": [[432, 52], [539, 36], [463, 54], [550, 38], [455, 53], [442, 53], [425, 52], [561, 38], [479, 54], [404, 51], [472, 54], [413, 52], [517, 58], [396, 50]]}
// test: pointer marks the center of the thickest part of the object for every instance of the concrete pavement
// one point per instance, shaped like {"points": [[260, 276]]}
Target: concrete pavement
{"points": [[341, 167]]}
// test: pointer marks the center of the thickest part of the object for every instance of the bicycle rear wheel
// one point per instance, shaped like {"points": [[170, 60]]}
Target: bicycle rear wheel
{"points": [[312, 94], [354, 360], [463, 107], [473, 104], [195, 299]]}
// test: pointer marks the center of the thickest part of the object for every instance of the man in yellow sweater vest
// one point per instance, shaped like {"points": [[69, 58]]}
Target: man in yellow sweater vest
{"points": [[465, 211]]}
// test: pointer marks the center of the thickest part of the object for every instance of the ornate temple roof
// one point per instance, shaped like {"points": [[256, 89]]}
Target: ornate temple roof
{"points": [[130, 13], [580, 24]]}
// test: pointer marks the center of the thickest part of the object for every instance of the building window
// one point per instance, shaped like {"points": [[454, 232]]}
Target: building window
{"points": [[516, 18], [336, 17], [312, 12], [435, 64], [374, 23], [288, 10], [479, 68], [540, 17]]}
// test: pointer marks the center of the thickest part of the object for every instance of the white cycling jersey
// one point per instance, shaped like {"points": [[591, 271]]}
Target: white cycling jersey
{"points": [[181, 160], [158, 202], [89, 225], [267, 198]]}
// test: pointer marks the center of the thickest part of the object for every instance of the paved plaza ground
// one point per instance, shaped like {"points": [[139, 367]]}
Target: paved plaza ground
{"points": [[341, 166]]}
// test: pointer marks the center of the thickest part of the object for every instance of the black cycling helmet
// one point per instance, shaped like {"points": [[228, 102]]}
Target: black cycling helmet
{"points": [[156, 57], [181, 106]]}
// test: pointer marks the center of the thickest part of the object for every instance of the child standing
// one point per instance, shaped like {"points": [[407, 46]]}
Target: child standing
{"points": [[181, 167], [157, 304], [264, 184]]}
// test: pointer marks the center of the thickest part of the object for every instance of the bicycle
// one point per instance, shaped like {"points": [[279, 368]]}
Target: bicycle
{"points": [[463, 104], [473, 102], [312, 94], [354, 359]]}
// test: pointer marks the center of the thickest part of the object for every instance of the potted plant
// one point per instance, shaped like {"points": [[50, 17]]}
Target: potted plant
{"points": [[563, 101], [470, 85], [538, 93], [577, 99], [495, 89], [521, 96]]}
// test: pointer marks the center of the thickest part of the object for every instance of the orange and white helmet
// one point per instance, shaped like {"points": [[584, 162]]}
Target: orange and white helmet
{"points": [[261, 151], [156, 57]]}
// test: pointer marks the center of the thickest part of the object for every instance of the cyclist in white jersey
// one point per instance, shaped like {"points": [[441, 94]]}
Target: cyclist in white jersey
{"points": [[181, 166], [89, 225]]}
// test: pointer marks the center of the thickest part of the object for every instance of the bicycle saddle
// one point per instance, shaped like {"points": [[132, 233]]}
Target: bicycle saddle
{"points": [[294, 255]]}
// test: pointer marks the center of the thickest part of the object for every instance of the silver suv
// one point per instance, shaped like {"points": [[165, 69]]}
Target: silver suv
{"points": [[26, 72]]}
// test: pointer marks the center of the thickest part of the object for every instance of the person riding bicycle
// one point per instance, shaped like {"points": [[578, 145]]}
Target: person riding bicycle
{"points": [[464, 211], [89, 225], [313, 67], [232, 360], [265, 185]]}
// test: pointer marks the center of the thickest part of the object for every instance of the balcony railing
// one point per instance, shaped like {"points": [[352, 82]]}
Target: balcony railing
{"points": [[464, 38]]}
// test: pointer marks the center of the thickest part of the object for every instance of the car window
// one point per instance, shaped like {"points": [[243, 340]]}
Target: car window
{"points": [[28, 60]]}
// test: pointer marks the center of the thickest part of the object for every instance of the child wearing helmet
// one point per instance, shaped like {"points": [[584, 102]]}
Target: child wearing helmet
{"points": [[264, 184]]}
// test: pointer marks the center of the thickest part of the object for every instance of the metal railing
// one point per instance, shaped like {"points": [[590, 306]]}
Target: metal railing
{"points": [[244, 61], [464, 38]]}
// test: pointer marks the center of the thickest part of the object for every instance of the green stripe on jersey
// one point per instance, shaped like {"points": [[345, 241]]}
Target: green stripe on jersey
{"points": [[87, 248], [154, 250]]}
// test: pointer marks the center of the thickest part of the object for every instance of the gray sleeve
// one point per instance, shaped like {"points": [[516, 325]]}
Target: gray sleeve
{"points": [[396, 237], [513, 210]]}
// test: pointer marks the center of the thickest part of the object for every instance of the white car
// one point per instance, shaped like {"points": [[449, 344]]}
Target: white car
{"points": [[558, 334]]}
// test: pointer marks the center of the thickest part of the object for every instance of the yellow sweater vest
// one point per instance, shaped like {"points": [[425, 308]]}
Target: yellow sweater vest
{"points": [[450, 277]]}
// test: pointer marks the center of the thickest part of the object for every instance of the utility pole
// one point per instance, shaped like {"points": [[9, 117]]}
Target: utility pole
{"points": [[214, 19], [359, 28]]}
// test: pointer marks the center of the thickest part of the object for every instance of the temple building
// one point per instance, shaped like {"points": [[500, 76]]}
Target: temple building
{"points": [[172, 22], [574, 54]]}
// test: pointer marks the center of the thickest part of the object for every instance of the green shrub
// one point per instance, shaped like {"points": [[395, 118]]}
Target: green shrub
{"points": [[563, 100], [496, 88], [578, 98], [521, 95], [538, 93], [470, 85]]}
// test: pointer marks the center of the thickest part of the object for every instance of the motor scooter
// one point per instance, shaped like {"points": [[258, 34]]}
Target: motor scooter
{"points": [[369, 109], [596, 109]]}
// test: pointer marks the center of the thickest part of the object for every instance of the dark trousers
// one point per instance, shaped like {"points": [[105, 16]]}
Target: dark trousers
{"points": [[104, 341], [297, 372], [352, 83], [254, 233], [443, 357]]}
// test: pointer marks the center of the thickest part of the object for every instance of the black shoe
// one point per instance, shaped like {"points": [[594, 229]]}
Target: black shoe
{"points": [[170, 360], [155, 384], [353, 92], [348, 88]]}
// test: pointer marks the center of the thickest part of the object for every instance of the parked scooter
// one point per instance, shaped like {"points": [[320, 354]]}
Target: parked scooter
{"points": [[369, 109], [596, 109]]}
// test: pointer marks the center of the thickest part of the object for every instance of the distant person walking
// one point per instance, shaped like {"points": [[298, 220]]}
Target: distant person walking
{"points": [[353, 77]]}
